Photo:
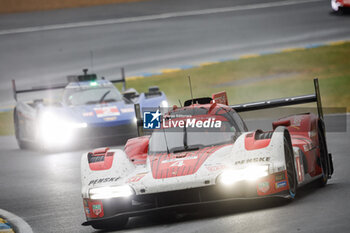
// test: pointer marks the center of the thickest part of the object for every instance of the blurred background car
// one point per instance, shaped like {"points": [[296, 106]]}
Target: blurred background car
{"points": [[89, 110], [340, 5]]}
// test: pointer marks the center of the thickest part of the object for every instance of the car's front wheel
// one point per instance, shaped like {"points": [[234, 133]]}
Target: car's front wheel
{"points": [[290, 166], [23, 145]]}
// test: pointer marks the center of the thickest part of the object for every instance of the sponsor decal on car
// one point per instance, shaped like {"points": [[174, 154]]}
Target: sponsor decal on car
{"points": [[110, 118], [281, 184], [214, 168], [94, 209], [253, 160], [103, 180], [107, 111], [88, 114], [97, 209], [279, 177], [85, 203], [136, 178], [127, 110], [264, 186]]}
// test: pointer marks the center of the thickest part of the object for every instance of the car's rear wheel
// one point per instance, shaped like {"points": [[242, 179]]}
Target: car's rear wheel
{"points": [[323, 159], [112, 224], [290, 165]]}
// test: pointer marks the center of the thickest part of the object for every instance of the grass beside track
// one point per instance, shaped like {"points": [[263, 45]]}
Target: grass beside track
{"points": [[254, 79], [265, 77], [6, 123]]}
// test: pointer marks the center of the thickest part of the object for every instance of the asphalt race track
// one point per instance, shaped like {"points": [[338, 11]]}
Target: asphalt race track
{"points": [[44, 190], [34, 58]]}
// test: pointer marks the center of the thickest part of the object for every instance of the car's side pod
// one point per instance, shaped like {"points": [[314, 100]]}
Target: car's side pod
{"points": [[260, 139], [287, 141], [269, 150], [257, 140], [100, 159], [109, 165], [315, 97]]}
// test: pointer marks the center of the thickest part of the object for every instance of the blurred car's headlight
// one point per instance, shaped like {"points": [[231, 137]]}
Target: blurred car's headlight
{"points": [[250, 173], [164, 104], [110, 192], [55, 129]]}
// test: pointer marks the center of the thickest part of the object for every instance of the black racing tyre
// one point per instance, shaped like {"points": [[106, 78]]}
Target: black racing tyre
{"points": [[21, 144], [323, 159], [112, 224], [290, 165]]}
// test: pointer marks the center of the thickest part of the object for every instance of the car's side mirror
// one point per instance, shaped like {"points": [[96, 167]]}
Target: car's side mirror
{"points": [[285, 123]]}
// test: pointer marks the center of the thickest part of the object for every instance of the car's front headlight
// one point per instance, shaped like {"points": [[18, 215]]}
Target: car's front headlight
{"points": [[249, 173], [110, 192], [56, 130], [164, 104]]}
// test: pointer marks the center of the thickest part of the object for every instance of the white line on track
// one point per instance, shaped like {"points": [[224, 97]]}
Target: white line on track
{"points": [[155, 17], [17, 223]]}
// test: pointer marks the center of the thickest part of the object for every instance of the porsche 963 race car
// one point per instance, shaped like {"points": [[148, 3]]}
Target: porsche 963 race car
{"points": [[203, 153], [90, 110]]}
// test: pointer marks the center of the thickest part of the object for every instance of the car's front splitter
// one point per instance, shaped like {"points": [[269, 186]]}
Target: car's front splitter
{"points": [[160, 201]]}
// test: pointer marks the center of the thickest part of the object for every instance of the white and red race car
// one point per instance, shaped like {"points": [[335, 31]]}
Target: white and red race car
{"points": [[340, 5], [203, 153]]}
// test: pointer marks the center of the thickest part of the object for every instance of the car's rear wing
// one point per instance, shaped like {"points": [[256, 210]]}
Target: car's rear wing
{"points": [[316, 97], [121, 80], [34, 89], [70, 78]]}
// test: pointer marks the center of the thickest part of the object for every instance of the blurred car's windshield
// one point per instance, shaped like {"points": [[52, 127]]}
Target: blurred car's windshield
{"points": [[196, 138], [88, 96]]}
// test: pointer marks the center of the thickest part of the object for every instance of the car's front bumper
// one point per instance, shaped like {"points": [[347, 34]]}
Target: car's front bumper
{"points": [[103, 132], [182, 199], [91, 135]]}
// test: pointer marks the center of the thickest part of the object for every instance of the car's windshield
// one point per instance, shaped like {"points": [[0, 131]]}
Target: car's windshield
{"points": [[85, 96], [179, 139]]}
